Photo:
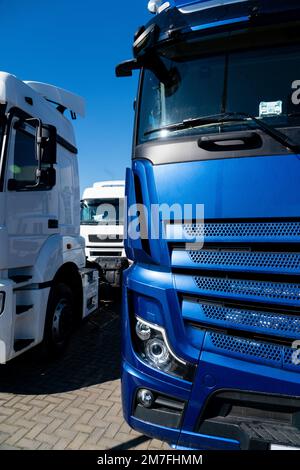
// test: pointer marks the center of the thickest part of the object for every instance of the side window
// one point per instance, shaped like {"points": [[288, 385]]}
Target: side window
{"points": [[25, 163]]}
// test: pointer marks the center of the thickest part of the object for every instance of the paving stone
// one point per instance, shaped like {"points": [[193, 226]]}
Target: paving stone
{"points": [[73, 402]]}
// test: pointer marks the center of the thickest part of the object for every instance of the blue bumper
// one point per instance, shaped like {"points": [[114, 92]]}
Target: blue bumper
{"points": [[156, 300]]}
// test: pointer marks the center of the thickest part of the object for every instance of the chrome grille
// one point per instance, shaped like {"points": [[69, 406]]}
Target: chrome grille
{"points": [[243, 288]]}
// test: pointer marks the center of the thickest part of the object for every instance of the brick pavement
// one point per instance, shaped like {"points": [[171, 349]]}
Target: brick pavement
{"points": [[73, 402]]}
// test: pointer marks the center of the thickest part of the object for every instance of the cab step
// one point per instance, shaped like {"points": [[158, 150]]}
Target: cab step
{"points": [[20, 344], [20, 278], [23, 308]]}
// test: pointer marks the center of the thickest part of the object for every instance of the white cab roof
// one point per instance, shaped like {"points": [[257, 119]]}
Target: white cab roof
{"points": [[60, 96], [105, 190], [15, 93]]}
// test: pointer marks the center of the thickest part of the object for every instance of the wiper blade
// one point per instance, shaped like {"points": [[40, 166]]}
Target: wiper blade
{"points": [[293, 115], [280, 137], [222, 118], [191, 123]]}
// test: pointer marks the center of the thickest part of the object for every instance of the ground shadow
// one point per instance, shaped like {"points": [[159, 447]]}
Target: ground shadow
{"points": [[93, 357], [131, 444]]}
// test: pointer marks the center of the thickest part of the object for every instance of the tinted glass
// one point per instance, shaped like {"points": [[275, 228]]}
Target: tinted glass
{"points": [[260, 82], [25, 163], [102, 212]]}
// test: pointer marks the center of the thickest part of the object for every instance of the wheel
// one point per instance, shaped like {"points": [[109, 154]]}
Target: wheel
{"points": [[59, 320]]}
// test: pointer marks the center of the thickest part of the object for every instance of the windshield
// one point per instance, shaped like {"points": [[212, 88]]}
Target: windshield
{"points": [[264, 83], [102, 212]]}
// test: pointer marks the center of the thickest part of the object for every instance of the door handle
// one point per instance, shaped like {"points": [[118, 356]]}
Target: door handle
{"points": [[231, 141]]}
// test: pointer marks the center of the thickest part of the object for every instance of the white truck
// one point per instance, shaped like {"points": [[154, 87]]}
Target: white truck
{"points": [[45, 287], [102, 226]]}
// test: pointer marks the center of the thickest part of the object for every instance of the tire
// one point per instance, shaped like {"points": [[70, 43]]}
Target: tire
{"points": [[60, 320]]}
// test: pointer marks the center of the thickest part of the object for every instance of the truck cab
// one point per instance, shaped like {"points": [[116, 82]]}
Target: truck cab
{"points": [[211, 304], [102, 226], [44, 284]]}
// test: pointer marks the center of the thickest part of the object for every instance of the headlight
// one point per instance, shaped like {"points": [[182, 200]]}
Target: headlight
{"points": [[153, 348], [142, 330], [157, 352]]}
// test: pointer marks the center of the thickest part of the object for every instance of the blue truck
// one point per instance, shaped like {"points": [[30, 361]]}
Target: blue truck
{"points": [[211, 304]]}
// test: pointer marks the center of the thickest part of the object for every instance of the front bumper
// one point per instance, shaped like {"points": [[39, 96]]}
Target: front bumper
{"points": [[216, 373]]}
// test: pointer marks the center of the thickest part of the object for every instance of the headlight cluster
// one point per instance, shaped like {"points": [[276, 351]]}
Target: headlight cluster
{"points": [[153, 348]]}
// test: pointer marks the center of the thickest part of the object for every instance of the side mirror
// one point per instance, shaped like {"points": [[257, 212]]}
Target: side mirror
{"points": [[124, 69], [46, 143]]}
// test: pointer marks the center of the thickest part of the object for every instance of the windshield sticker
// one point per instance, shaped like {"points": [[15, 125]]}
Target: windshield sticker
{"points": [[270, 108]]}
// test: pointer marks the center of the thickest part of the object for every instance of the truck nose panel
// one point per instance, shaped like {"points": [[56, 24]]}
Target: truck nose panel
{"points": [[241, 291], [257, 187]]}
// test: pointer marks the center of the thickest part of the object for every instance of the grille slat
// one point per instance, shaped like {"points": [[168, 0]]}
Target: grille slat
{"points": [[267, 323], [105, 238], [285, 263], [245, 231], [241, 348], [251, 350], [283, 293]]}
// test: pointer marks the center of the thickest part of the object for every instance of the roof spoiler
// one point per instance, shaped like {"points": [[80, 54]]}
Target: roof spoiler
{"points": [[63, 98]]}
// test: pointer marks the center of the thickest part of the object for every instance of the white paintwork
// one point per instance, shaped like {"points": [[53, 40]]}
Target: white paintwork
{"points": [[152, 5], [104, 190], [60, 96], [27, 245], [157, 6], [13, 92]]}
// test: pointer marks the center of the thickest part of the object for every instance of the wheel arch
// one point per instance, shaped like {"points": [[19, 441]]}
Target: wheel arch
{"points": [[69, 275]]}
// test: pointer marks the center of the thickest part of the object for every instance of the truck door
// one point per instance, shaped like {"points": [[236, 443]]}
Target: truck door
{"points": [[31, 208]]}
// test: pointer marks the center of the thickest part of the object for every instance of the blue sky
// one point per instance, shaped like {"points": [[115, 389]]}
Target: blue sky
{"points": [[76, 45]]}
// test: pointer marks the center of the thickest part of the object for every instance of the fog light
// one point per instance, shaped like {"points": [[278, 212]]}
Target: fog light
{"points": [[145, 398], [143, 331], [157, 352]]}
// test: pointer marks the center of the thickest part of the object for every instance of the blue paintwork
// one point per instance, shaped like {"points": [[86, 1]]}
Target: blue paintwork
{"points": [[215, 370], [246, 188], [215, 24], [275, 179]]}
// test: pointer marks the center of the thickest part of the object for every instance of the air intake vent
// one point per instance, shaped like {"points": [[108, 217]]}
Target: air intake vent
{"points": [[251, 350], [288, 263], [105, 239], [235, 317], [241, 347], [268, 291], [242, 231]]}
